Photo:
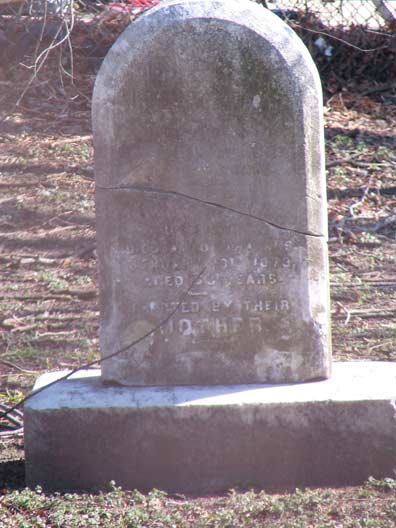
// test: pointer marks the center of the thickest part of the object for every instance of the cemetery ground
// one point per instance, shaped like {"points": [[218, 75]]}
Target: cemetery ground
{"points": [[49, 309]]}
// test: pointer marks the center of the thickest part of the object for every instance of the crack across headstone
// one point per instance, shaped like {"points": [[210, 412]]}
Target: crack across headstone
{"points": [[205, 202]]}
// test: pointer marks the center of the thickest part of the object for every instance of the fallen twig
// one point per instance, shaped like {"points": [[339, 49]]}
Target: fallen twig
{"points": [[16, 367], [47, 170], [11, 433], [353, 206], [352, 193], [67, 140], [391, 219], [56, 334], [5, 185], [15, 417], [36, 297], [357, 163], [372, 283], [26, 328], [15, 420], [340, 307], [368, 314]]}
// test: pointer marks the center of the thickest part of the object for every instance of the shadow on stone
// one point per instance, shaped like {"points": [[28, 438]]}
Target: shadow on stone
{"points": [[12, 474]]}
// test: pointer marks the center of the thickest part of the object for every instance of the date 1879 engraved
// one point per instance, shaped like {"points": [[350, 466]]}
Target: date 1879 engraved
{"points": [[242, 288]]}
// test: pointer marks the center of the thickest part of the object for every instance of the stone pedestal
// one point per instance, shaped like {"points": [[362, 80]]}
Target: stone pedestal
{"points": [[81, 433]]}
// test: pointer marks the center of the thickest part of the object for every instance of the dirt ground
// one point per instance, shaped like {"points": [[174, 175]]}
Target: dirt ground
{"points": [[48, 284]]}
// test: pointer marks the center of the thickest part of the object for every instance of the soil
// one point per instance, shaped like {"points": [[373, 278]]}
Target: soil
{"points": [[48, 288]]}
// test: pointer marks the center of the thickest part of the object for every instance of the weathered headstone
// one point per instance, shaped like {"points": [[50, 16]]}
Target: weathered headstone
{"points": [[209, 156], [211, 217]]}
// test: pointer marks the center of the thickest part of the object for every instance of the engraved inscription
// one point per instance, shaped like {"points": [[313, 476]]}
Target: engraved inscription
{"points": [[212, 309], [260, 305], [212, 326]]}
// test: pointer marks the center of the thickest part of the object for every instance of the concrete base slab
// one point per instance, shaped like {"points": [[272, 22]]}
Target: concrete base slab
{"points": [[81, 434]]}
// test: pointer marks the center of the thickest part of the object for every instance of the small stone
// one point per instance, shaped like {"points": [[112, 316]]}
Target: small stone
{"points": [[27, 260]]}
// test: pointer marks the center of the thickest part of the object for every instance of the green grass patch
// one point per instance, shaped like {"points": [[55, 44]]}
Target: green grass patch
{"points": [[372, 505]]}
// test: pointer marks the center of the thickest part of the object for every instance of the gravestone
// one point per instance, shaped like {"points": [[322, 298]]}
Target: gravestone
{"points": [[212, 256], [209, 158]]}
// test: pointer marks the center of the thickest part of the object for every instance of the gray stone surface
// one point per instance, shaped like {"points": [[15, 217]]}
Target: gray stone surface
{"points": [[209, 156], [80, 434], [255, 315]]}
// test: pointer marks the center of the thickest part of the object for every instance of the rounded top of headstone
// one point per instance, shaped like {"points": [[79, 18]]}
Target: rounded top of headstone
{"points": [[218, 100], [240, 12], [246, 13]]}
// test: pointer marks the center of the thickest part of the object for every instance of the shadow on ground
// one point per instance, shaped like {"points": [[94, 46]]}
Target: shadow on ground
{"points": [[12, 474]]}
